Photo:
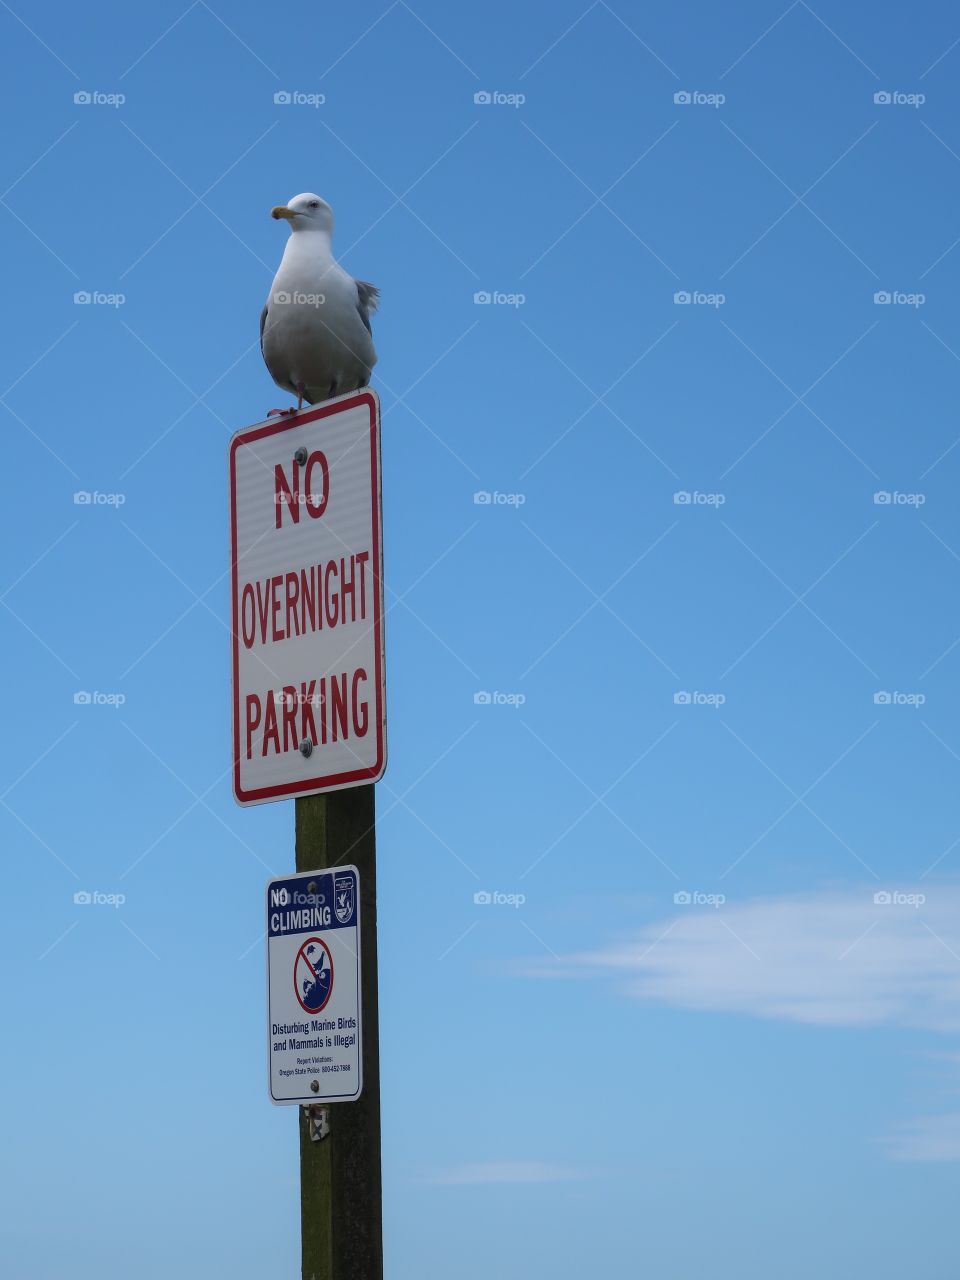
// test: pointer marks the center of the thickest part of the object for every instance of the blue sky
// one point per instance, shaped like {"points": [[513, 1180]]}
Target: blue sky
{"points": [[715, 394]]}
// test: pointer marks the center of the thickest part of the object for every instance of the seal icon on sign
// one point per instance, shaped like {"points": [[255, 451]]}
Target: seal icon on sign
{"points": [[313, 975], [344, 898]]}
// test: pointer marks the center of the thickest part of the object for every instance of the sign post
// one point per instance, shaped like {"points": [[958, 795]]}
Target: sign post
{"points": [[309, 723], [340, 1195]]}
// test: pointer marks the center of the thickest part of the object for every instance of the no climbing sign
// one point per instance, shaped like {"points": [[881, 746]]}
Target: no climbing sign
{"points": [[313, 986], [307, 588]]}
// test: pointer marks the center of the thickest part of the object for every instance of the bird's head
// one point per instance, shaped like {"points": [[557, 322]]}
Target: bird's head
{"points": [[306, 212]]}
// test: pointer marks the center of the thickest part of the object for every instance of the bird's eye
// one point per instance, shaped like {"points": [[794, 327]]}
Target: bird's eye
{"points": [[314, 204]]}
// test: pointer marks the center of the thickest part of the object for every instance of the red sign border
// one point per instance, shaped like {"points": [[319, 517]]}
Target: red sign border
{"points": [[353, 777]]}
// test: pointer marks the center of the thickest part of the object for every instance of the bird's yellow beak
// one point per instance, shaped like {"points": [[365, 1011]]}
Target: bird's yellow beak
{"points": [[281, 211]]}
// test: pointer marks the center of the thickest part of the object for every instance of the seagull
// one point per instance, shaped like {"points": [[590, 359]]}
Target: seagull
{"points": [[315, 331]]}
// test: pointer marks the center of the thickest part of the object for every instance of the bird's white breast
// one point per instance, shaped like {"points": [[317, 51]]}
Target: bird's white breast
{"points": [[313, 332]]}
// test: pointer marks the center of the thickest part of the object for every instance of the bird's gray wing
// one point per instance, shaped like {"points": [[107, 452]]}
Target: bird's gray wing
{"points": [[275, 363], [368, 299]]}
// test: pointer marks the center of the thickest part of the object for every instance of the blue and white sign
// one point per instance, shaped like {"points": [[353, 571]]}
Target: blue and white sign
{"points": [[313, 986]]}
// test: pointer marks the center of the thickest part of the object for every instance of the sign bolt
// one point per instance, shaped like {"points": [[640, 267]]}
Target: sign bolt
{"points": [[301, 455], [315, 1086], [306, 748]]}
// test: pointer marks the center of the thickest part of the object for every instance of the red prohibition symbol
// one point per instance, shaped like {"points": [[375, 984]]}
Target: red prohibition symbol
{"points": [[313, 975]]}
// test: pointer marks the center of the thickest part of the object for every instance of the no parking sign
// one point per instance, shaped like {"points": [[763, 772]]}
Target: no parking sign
{"points": [[309, 709], [313, 986]]}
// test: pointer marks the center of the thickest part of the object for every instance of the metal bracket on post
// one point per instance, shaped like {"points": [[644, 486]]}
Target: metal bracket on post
{"points": [[318, 1121]]}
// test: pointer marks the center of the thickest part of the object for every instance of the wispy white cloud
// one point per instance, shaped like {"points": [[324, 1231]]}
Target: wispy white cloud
{"points": [[501, 1172], [930, 1138], [831, 958], [855, 958]]}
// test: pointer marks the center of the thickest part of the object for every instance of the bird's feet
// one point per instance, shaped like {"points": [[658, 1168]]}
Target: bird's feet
{"points": [[286, 413]]}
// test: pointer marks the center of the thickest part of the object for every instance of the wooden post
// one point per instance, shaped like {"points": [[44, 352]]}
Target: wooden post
{"points": [[340, 1194]]}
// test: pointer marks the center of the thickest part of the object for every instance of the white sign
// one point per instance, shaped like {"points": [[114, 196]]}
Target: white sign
{"points": [[313, 986], [307, 586]]}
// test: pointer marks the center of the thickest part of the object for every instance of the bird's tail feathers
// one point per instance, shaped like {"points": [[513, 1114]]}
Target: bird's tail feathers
{"points": [[369, 295]]}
